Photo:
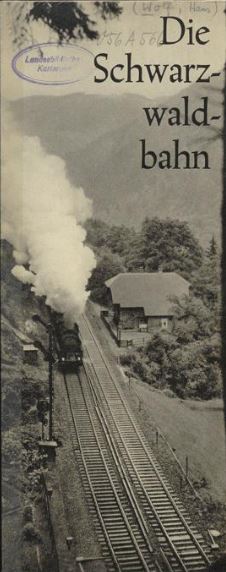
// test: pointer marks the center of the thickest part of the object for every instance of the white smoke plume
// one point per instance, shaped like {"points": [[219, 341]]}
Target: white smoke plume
{"points": [[25, 276], [31, 327], [42, 215]]}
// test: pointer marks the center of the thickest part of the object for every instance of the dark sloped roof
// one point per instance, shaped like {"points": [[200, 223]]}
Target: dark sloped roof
{"points": [[149, 290]]}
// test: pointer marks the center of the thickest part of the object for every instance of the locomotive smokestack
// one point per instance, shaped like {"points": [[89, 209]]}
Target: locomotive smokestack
{"points": [[42, 218]]}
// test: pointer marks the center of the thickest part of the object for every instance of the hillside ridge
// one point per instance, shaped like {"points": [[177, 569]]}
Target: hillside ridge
{"points": [[98, 137]]}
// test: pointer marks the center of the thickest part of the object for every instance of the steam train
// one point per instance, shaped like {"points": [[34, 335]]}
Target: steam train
{"points": [[68, 344]]}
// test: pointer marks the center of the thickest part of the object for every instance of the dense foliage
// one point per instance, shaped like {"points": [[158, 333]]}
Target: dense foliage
{"points": [[189, 370], [166, 245], [108, 265], [187, 361], [68, 20]]}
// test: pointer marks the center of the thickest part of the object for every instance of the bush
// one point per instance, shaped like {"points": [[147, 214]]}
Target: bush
{"points": [[189, 370], [11, 402], [141, 369], [127, 359], [193, 373], [27, 514], [139, 366], [11, 445], [31, 534], [168, 392]]}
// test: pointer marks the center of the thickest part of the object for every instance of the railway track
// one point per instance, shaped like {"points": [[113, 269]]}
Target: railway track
{"points": [[183, 546], [120, 527]]}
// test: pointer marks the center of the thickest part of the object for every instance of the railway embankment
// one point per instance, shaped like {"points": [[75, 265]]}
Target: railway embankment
{"points": [[70, 514], [177, 532], [26, 538], [191, 432], [26, 541]]}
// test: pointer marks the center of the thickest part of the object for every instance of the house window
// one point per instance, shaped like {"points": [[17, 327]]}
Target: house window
{"points": [[164, 324], [143, 326]]}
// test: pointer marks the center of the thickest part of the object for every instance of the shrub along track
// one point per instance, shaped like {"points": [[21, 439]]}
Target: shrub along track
{"points": [[181, 545]]}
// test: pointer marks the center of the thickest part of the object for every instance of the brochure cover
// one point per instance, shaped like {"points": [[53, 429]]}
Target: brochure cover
{"points": [[113, 442]]}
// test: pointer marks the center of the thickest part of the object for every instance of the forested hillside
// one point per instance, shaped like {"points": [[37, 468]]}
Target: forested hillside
{"points": [[23, 388], [98, 137]]}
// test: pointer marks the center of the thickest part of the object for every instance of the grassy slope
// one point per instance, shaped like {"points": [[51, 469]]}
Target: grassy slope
{"points": [[193, 428]]}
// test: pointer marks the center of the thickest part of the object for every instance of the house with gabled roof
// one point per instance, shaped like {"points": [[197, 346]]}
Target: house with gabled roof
{"points": [[142, 301]]}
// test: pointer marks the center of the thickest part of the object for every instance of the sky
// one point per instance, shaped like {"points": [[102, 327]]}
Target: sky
{"points": [[137, 30]]}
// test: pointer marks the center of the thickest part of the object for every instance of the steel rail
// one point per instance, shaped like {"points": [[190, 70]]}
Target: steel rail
{"points": [[117, 460], [125, 480], [177, 510], [145, 567], [143, 444], [114, 490], [90, 483], [184, 568]]}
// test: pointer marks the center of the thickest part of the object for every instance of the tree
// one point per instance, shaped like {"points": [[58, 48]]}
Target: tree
{"points": [[192, 319], [120, 239], [212, 250], [192, 374], [108, 265], [167, 245], [158, 348], [158, 352], [97, 231], [206, 280], [188, 361], [68, 20], [117, 238], [133, 255]]}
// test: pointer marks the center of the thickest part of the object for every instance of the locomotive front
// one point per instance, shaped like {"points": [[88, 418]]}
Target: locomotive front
{"points": [[69, 346]]}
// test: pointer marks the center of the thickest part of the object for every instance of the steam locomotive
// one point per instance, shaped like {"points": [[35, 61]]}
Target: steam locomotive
{"points": [[68, 344]]}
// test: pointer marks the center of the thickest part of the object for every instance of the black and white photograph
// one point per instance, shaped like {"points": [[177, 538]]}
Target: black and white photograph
{"points": [[112, 316]]}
